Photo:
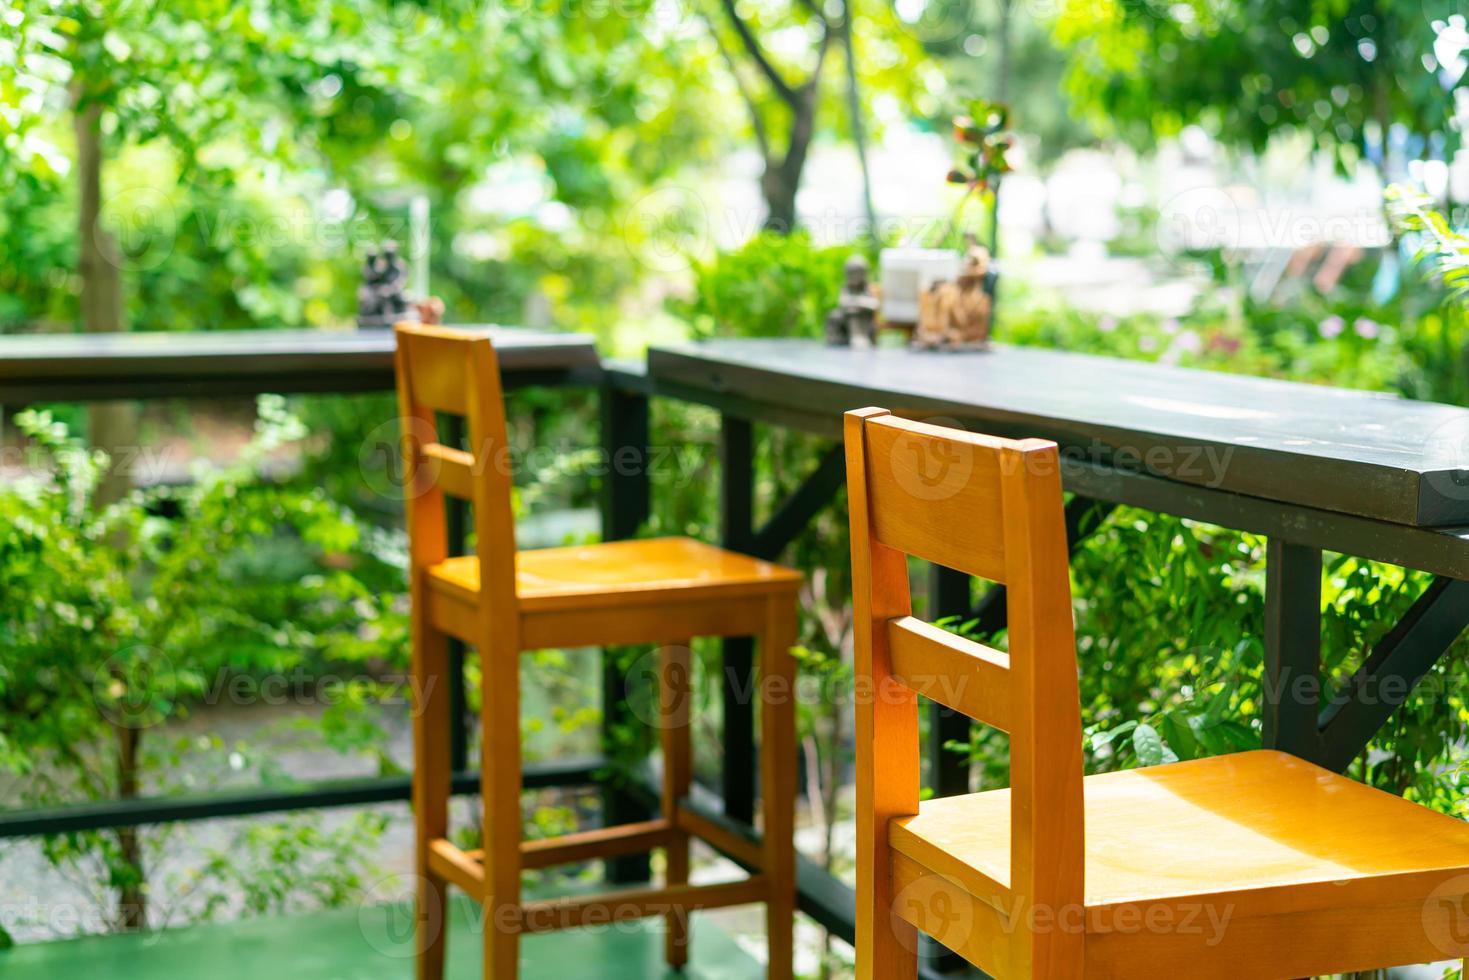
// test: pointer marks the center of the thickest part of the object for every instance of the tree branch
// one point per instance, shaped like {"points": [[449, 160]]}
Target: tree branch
{"points": [[757, 121], [826, 37], [757, 53], [815, 10]]}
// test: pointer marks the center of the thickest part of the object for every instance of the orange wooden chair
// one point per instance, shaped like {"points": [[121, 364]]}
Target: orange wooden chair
{"points": [[1255, 865], [504, 602]]}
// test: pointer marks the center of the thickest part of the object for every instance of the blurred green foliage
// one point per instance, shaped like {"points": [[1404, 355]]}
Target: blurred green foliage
{"points": [[122, 621], [772, 286], [253, 149], [1340, 73]]}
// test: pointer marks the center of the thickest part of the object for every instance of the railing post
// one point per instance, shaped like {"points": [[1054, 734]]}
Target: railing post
{"points": [[626, 505], [737, 477]]}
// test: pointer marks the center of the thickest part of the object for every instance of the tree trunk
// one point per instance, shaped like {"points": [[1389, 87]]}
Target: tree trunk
{"points": [[779, 192], [113, 425], [113, 429], [132, 895], [782, 179]]}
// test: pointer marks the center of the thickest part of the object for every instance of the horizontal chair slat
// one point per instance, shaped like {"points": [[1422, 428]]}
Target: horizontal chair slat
{"points": [[981, 933], [589, 845], [969, 677], [720, 838], [549, 915], [455, 468], [457, 867]]}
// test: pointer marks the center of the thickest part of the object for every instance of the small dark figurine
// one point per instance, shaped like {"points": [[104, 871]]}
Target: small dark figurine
{"points": [[381, 299], [854, 321]]}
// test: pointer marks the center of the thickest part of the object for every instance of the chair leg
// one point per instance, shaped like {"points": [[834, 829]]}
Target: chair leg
{"points": [[500, 785], [431, 780], [778, 780], [675, 691]]}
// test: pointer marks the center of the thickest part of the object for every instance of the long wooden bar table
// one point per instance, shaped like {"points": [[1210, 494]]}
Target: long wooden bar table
{"points": [[1313, 468], [208, 364]]}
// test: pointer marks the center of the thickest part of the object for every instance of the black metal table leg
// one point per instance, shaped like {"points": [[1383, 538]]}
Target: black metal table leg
{"points": [[626, 491], [626, 504], [949, 593], [1292, 678], [737, 469], [456, 519]]}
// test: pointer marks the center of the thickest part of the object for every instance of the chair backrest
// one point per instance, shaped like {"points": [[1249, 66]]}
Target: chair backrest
{"points": [[992, 508], [442, 370]]}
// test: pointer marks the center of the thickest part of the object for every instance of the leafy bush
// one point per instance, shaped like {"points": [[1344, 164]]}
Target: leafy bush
{"points": [[772, 286], [120, 619]]}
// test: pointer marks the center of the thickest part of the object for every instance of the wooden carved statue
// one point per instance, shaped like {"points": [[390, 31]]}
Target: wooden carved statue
{"points": [[956, 315], [854, 321]]}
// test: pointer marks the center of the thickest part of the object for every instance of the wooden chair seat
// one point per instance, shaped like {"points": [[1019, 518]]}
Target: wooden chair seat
{"points": [[1262, 831], [621, 572]]}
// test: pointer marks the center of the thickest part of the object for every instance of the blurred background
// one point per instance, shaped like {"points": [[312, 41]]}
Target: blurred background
{"points": [[1206, 183]]}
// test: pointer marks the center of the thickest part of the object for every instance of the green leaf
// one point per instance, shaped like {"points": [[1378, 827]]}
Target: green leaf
{"points": [[1150, 748], [1179, 733], [1103, 739]]}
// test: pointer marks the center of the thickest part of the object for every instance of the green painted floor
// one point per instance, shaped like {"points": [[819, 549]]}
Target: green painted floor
{"points": [[368, 944]]}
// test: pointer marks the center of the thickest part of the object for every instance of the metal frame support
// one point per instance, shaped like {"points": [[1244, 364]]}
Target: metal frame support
{"points": [[739, 533], [1295, 720], [1291, 683], [626, 506], [737, 521], [949, 595], [1395, 666], [456, 519]]}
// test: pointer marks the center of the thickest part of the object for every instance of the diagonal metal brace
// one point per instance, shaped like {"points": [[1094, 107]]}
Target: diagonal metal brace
{"points": [[1388, 675], [802, 506]]}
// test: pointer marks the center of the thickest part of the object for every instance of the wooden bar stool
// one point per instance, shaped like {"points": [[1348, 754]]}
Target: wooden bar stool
{"points": [[505, 602], [1255, 865]]}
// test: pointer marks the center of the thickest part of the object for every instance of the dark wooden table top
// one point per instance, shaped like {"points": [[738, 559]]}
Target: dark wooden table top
{"points": [[57, 367], [1354, 452]]}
